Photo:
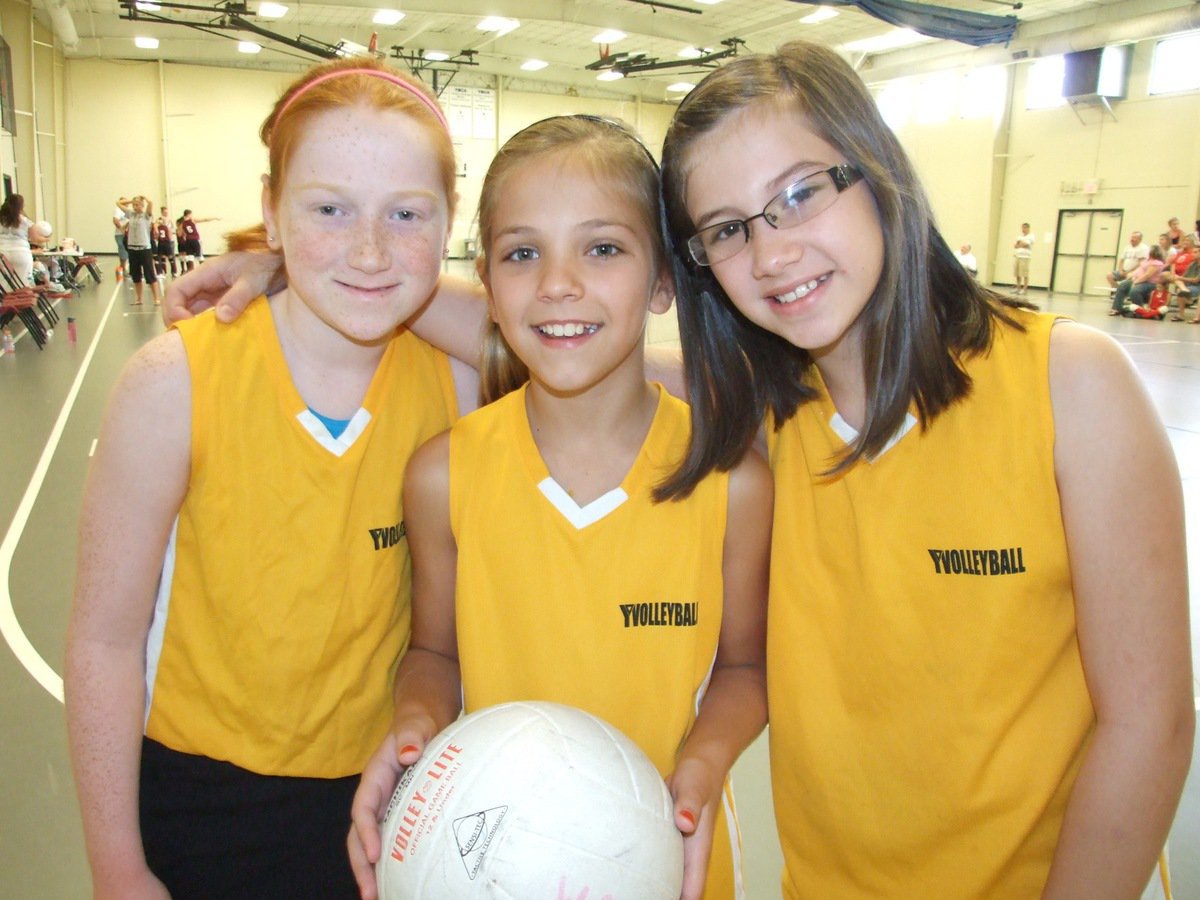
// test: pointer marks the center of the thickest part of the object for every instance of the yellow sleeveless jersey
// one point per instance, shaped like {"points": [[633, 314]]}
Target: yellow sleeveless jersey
{"points": [[928, 706], [614, 607], [285, 596]]}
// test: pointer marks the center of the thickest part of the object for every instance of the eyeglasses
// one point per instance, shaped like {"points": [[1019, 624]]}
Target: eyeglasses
{"points": [[796, 203]]}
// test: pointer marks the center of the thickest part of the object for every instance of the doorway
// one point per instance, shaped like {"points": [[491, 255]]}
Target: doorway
{"points": [[1085, 250]]}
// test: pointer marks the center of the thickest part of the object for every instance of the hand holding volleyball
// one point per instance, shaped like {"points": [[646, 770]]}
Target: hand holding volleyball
{"points": [[530, 800]]}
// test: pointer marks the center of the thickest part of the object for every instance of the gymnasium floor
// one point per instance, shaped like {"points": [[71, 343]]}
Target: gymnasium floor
{"points": [[52, 404]]}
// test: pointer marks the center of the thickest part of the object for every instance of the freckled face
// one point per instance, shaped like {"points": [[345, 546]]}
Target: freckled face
{"points": [[808, 283], [362, 218]]}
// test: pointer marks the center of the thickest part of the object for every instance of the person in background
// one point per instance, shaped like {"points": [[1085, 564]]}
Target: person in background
{"points": [[967, 259], [1131, 257], [1174, 232], [1136, 289], [189, 238], [120, 220], [164, 243], [1168, 248], [1022, 254], [16, 233], [1182, 277], [139, 244]]}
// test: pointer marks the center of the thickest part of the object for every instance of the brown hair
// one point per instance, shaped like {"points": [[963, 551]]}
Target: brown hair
{"points": [[614, 154], [317, 91], [923, 314], [11, 210]]}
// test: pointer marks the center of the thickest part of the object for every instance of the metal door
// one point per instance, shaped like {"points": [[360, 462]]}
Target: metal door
{"points": [[1085, 250]]}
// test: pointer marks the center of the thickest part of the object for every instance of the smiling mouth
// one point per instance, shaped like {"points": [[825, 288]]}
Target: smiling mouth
{"points": [[566, 329], [802, 291], [367, 289]]}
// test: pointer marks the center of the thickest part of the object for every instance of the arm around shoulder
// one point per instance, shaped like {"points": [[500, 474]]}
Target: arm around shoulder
{"points": [[1123, 520]]}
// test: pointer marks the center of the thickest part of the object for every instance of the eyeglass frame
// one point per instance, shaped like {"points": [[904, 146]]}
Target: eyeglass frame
{"points": [[843, 176]]}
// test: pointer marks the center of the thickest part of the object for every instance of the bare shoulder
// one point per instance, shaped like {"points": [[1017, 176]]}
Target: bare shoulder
{"points": [[751, 487], [1091, 375], [156, 378], [1103, 415], [428, 472]]}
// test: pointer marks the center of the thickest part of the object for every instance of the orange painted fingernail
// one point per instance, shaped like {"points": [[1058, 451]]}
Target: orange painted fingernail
{"points": [[691, 820], [409, 748]]}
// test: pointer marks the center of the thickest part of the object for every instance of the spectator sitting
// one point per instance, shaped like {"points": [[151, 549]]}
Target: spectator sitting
{"points": [[1138, 286], [1174, 232], [1183, 276], [967, 259], [1168, 249], [1130, 260]]}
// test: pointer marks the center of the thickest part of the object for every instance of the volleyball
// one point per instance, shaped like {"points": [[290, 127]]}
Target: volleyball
{"points": [[45, 227], [530, 800]]}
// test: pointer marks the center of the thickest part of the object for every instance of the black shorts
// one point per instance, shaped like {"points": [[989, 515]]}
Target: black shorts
{"points": [[189, 248], [141, 265], [164, 248], [214, 831]]}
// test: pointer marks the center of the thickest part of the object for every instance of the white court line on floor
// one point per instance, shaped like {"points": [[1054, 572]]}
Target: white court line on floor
{"points": [[14, 635]]}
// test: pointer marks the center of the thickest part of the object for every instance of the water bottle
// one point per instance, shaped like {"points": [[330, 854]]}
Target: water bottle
{"points": [[71, 335], [8, 345]]}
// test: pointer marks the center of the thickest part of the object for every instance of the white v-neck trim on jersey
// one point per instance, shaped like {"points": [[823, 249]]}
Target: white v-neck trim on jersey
{"points": [[848, 432], [335, 445], [581, 516]]}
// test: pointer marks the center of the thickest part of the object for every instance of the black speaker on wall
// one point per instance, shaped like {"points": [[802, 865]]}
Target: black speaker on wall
{"points": [[1102, 72]]}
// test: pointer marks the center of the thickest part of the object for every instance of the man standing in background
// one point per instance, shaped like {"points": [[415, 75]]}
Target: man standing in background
{"points": [[1022, 252]]}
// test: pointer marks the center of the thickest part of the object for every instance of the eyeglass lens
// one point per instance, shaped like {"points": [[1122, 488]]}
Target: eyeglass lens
{"points": [[796, 203]]}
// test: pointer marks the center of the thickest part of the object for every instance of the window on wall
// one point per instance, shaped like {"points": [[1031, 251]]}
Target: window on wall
{"points": [[983, 93], [940, 97], [1174, 66], [1044, 83], [895, 103]]}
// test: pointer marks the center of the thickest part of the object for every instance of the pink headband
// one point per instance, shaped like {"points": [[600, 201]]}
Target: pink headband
{"points": [[378, 73]]}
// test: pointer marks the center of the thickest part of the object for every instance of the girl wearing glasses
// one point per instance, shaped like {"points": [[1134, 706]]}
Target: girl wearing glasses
{"points": [[973, 692]]}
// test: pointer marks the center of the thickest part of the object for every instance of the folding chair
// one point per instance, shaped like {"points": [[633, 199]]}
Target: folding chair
{"points": [[23, 306], [42, 295]]}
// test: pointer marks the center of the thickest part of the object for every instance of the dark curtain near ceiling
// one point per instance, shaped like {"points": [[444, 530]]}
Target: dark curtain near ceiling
{"points": [[976, 29]]}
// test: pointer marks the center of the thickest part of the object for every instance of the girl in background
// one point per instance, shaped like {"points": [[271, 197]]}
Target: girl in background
{"points": [[236, 628]]}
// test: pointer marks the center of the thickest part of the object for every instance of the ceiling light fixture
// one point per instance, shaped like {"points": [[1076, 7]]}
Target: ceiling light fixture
{"points": [[680, 87], [146, 43], [436, 55], [249, 47], [819, 15], [500, 25], [387, 16], [611, 36], [609, 75], [534, 65], [269, 10]]}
